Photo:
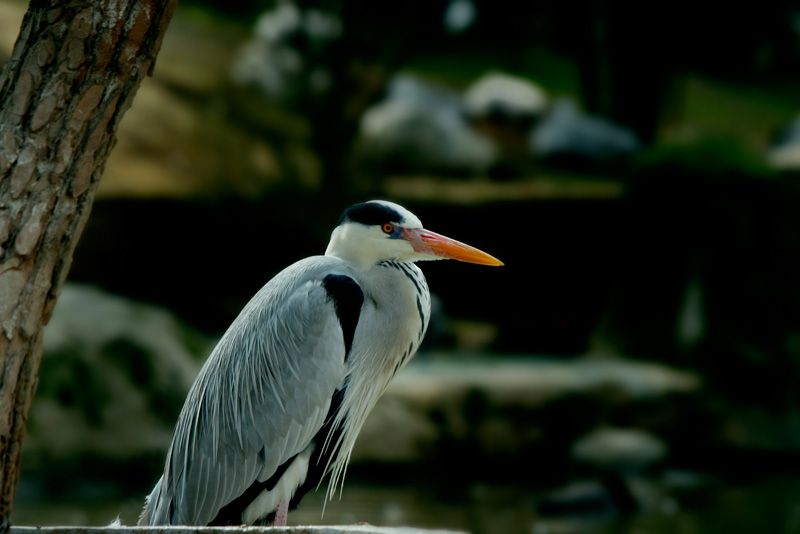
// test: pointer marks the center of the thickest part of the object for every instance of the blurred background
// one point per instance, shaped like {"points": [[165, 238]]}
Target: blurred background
{"points": [[635, 367]]}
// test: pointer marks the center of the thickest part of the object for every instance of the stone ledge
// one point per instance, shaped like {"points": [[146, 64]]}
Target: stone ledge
{"points": [[336, 529]]}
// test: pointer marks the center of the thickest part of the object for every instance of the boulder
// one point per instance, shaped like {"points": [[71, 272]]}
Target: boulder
{"points": [[504, 108], [459, 16], [113, 378], [619, 449], [286, 58], [503, 95], [115, 374], [420, 128], [453, 406], [565, 132], [784, 151]]}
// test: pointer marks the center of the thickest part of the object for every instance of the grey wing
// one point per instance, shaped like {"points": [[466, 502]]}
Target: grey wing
{"points": [[259, 400]]}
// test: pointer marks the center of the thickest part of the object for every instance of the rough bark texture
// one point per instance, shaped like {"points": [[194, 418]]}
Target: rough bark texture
{"points": [[73, 73]]}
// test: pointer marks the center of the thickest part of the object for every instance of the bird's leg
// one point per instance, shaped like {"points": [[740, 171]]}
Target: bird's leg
{"points": [[281, 513]]}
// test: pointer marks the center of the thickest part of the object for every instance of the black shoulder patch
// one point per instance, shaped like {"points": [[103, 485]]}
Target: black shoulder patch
{"points": [[371, 214], [347, 299]]}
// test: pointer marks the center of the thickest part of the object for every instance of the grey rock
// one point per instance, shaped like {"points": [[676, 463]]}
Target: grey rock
{"points": [[113, 377], [566, 131], [785, 157], [279, 68], [498, 92], [784, 151], [397, 433], [407, 87], [582, 498], [532, 381], [621, 449], [421, 128], [277, 71], [278, 24], [490, 402], [115, 374], [459, 16]]}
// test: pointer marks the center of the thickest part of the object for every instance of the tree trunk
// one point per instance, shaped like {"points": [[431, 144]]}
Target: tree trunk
{"points": [[74, 71]]}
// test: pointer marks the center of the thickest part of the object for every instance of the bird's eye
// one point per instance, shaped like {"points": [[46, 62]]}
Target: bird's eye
{"points": [[388, 228]]}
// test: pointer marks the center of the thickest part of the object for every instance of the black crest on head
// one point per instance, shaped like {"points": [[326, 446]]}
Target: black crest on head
{"points": [[371, 214]]}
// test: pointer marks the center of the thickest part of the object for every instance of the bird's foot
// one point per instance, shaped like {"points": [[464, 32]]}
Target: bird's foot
{"points": [[281, 514]]}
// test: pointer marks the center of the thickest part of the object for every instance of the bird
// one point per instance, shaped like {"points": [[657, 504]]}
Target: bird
{"points": [[279, 402]]}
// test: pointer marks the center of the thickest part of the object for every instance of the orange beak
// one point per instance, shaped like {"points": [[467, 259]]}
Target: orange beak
{"points": [[427, 242]]}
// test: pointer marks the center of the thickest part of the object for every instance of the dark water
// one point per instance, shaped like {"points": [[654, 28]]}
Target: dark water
{"points": [[770, 507]]}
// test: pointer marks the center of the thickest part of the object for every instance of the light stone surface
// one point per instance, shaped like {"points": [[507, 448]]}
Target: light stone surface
{"points": [[344, 529]]}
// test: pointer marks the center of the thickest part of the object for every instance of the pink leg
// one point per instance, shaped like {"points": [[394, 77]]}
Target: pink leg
{"points": [[281, 514]]}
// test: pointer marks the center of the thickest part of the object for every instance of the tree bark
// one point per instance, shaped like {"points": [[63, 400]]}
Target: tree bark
{"points": [[74, 71]]}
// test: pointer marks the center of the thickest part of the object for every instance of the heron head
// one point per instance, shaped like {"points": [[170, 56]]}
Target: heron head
{"points": [[377, 231]]}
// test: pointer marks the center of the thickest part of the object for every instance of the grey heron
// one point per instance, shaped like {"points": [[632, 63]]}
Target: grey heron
{"points": [[282, 397]]}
